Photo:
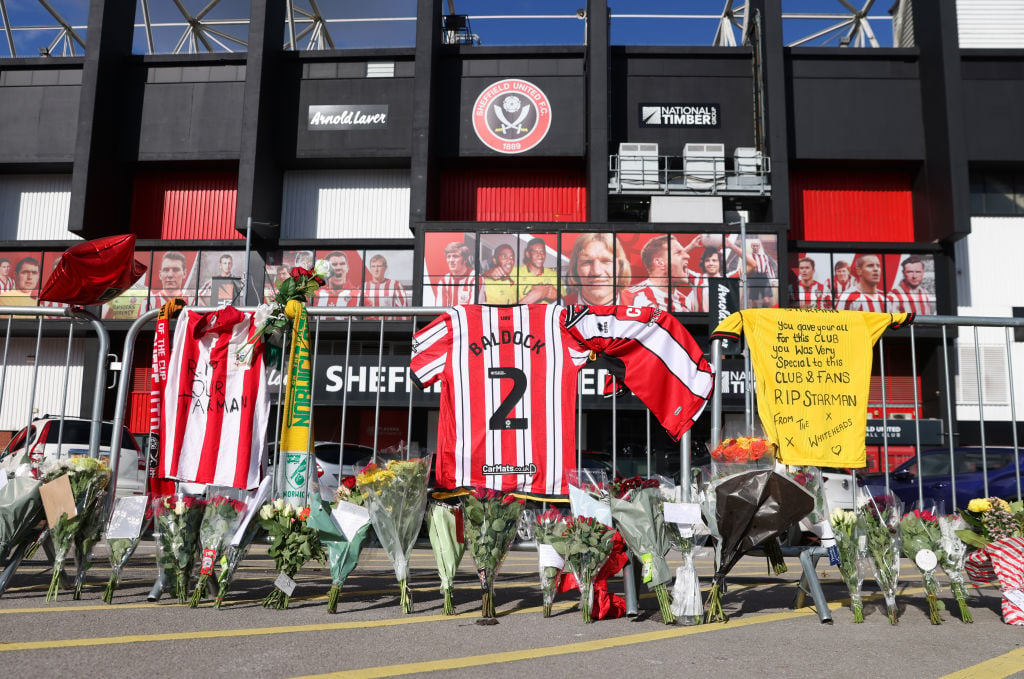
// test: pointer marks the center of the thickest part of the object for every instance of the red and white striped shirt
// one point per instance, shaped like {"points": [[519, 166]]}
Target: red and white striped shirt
{"points": [[337, 298], [454, 290], [762, 263], [508, 385], [815, 295], [388, 293], [837, 287], [855, 300], [215, 409], [915, 301], [646, 294]]}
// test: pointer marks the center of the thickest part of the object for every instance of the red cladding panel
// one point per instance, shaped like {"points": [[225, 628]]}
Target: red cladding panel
{"points": [[851, 206], [185, 205], [514, 196]]}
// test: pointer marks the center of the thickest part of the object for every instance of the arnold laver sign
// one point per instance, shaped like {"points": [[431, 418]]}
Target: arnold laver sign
{"points": [[511, 116], [348, 117], [680, 115]]}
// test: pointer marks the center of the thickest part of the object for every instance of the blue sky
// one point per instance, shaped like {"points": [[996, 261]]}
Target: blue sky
{"points": [[536, 22]]}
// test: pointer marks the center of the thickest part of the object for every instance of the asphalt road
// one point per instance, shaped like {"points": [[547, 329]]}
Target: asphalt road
{"points": [[369, 636]]}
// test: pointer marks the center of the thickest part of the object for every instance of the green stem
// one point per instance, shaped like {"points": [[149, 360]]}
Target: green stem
{"points": [[449, 604], [181, 585], [332, 599], [961, 599], [108, 592], [714, 605], [858, 608], [197, 594], [406, 596], [665, 604]]}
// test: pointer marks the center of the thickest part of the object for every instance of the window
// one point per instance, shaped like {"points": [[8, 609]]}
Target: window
{"points": [[997, 192]]}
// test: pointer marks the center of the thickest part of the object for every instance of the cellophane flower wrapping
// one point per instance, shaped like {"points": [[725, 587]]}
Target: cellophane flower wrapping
{"points": [[954, 550], [879, 520], [587, 546], [847, 536], [990, 519], [343, 543], [744, 511], [551, 541], [88, 478], [20, 510], [818, 521], [395, 494], [491, 519], [176, 534], [443, 524], [229, 561], [293, 543], [921, 540], [222, 513], [639, 517], [748, 453], [120, 550], [687, 603]]}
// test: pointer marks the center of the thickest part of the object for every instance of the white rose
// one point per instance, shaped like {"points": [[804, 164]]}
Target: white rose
{"points": [[289, 510], [267, 512], [278, 504], [179, 507], [322, 268], [262, 313]]}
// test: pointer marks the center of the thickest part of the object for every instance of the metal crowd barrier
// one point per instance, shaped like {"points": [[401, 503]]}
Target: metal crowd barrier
{"points": [[56, 393]]}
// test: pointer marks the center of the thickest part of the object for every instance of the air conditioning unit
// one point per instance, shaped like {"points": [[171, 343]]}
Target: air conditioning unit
{"points": [[749, 167], [638, 166], [704, 166]]}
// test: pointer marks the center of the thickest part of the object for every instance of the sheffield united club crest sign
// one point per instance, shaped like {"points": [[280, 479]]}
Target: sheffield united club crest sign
{"points": [[511, 116]]}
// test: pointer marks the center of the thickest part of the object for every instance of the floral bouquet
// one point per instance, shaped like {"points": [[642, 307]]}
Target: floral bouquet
{"points": [[230, 560], [742, 454], [951, 558], [818, 521], [88, 478], [922, 544], [396, 496], [687, 605], [124, 532], [588, 543], [847, 535], [640, 520], [20, 509], [550, 533], [293, 543], [997, 530], [744, 511], [879, 521], [270, 318], [176, 534], [491, 521], [223, 512], [444, 524], [343, 537]]}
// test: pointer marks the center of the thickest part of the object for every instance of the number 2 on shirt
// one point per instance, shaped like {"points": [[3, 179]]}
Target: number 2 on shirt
{"points": [[500, 418]]}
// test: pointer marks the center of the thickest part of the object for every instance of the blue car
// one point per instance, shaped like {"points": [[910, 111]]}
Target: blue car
{"points": [[936, 480]]}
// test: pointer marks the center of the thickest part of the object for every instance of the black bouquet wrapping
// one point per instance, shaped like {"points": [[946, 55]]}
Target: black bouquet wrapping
{"points": [[745, 511]]}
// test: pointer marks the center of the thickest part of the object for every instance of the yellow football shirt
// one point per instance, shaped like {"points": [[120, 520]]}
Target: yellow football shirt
{"points": [[812, 369]]}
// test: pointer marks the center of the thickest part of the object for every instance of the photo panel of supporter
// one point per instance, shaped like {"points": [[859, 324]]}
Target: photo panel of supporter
{"points": [[536, 275], [809, 287], [759, 253], [499, 255], [387, 281], [275, 272], [343, 285], [450, 272], [220, 277], [130, 304], [707, 262], [596, 264], [175, 273], [662, 274], [20, 278]]}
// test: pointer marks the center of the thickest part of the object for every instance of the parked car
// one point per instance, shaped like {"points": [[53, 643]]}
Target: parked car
{"points": [[937, 482], [47, 439]]}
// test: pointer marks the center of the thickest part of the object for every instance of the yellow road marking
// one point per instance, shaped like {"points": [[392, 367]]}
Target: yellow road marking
{"points": [[453, 664], [994, 668]]}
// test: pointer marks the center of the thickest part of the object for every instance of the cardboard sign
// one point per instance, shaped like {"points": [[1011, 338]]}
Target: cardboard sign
{"points": [[547, 557], [126, 517], [58, 499], [683, 513], [285, 583]]}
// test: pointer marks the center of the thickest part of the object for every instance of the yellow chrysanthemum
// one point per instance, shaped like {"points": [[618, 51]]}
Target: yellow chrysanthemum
{"points": [[979, 505]]}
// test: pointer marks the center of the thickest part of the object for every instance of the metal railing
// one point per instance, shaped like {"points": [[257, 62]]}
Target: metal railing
{"points": [[688, 176]]}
